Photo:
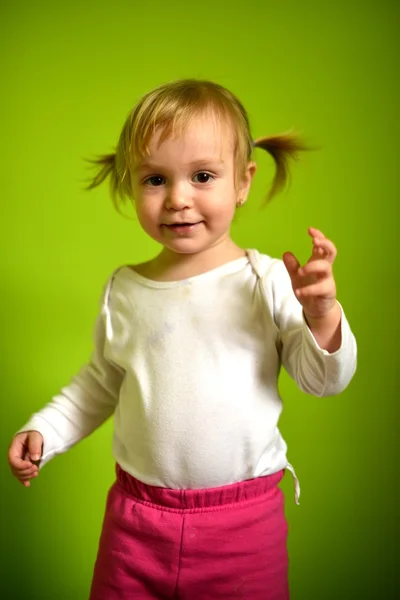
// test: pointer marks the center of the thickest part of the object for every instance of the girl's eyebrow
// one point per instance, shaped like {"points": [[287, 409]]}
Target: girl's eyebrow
{"points": [[144, 166], [207, 161]]}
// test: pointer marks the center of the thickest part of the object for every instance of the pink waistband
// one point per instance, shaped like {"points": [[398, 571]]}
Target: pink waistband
{"points": [[198, 499]]}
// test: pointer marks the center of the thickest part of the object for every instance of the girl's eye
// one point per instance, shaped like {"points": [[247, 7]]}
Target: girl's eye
{"points": [[155, 180], [202, 177]]}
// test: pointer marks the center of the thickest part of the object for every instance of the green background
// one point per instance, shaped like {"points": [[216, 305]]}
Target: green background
{"points": [[70, 74]]}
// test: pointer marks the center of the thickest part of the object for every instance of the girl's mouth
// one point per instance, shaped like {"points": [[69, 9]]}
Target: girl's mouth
{"points": [[183, 228]]}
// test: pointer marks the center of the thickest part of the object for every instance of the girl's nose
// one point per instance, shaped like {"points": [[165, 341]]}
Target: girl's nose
{"points": [[178, 198]]}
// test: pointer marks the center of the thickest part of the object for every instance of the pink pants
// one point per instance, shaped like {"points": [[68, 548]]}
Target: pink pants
{"points": [[222, 543]]}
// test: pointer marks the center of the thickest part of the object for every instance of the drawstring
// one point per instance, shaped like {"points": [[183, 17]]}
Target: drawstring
{"points": [[290, 468], [255, 264]]}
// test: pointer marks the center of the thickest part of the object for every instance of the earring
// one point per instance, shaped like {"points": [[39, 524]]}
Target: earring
{"points": [[240, 202]]}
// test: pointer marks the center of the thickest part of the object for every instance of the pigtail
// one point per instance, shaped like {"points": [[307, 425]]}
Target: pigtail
{"points": [[106, 166], [283, 148]]}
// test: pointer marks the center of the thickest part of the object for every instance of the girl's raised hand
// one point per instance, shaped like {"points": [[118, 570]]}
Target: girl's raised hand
{"points": [[314, 283]]}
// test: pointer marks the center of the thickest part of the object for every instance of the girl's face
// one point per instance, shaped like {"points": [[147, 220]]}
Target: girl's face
{"points": [[185, 192]]}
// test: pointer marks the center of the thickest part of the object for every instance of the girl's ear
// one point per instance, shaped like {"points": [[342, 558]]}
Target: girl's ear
{"points": [[245, 182]]}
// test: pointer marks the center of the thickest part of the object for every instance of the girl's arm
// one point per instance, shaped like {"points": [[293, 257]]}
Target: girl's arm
{"points": [[315, 369], [327, 330], [83, 405], [321, 358]]}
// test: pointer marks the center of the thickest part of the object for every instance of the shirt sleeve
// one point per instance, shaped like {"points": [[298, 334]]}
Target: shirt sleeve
{"points": [[315, 370], [82, 406]]}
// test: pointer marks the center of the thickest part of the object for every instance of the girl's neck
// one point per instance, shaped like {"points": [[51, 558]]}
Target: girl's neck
{"points": [[171, 266]]}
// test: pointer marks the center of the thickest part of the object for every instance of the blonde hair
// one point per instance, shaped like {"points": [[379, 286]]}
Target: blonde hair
{"points": [[171, 107]]}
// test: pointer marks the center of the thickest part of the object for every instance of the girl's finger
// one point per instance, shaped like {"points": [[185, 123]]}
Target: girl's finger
{"points": [[23, 472], [23, 467], [326, 245], [325, 289], [315, 232], [316, 267], [318, 252], [17, 462], [291, 263], [324, 249], [27, 477]]}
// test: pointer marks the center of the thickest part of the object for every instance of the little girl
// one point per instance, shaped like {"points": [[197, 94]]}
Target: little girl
{"points": [[187, 351]]}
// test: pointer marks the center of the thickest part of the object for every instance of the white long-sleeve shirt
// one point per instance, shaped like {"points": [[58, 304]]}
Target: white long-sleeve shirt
{"points": [[190, 368]]}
